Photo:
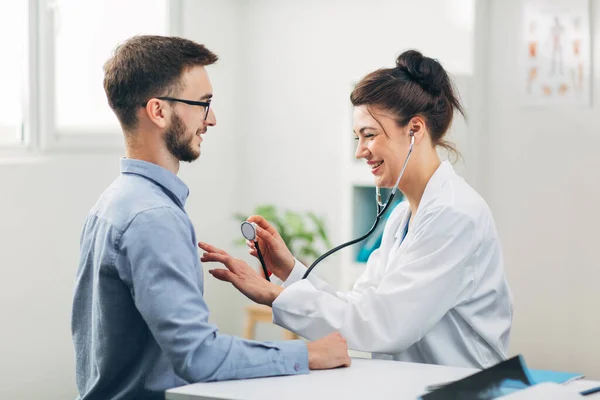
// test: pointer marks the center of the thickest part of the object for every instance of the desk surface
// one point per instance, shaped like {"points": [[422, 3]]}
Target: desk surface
{"points": [[365, 379]]}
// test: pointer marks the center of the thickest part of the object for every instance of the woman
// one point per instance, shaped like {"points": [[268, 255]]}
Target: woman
{"points": [[435, 291]]}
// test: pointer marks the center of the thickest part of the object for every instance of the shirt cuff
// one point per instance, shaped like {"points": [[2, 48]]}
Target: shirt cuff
{"points": [[295, 356], [296, 274]]}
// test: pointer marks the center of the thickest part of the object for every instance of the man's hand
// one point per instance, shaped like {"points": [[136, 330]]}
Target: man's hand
{"points": [[278, 258], [328, 352], [240, 275]]}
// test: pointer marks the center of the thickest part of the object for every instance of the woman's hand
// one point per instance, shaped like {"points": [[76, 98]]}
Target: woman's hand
{"points": [[240, 275], [278, 258]]}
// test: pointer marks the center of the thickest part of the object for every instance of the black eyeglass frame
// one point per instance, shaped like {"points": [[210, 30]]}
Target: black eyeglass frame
{"points": [[205, 104]]}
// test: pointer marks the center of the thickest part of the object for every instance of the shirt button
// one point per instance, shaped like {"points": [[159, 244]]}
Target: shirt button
{"points": [[297, 367]]}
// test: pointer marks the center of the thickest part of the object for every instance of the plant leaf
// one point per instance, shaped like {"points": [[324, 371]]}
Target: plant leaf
{"points": [[320, 225], [295, 222], [297, 235], [308, 236], [240, 242], [268, 211], [308, 251]]}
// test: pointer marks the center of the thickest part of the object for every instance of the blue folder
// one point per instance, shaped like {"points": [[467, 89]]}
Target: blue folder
{"points": [[540, 376]]}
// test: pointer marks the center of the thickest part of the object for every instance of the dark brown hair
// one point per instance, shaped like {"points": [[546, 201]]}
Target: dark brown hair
{"points": [[418, 85], [147, 66]]}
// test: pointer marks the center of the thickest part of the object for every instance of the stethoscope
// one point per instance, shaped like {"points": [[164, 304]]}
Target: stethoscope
{"points": [[249, 232], [249, 229]]}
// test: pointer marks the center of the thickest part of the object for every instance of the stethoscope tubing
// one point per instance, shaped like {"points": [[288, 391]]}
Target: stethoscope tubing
{"points": [[381, 210]]}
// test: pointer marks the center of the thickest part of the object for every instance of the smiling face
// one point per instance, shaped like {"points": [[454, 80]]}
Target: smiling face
{"points": [[183, 136], [381, 143]]}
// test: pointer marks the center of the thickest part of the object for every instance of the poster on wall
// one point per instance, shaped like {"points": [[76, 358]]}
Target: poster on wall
{"points": [[556, 53]]}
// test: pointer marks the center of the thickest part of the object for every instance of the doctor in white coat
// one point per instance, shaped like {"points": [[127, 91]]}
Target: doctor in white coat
{"points": [[435, 291]]}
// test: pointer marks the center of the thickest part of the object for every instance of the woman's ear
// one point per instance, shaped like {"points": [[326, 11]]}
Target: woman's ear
{"points": [[416, 125]]}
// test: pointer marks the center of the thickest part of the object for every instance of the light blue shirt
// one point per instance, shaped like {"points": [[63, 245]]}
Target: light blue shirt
{"points": [[140, 323]]}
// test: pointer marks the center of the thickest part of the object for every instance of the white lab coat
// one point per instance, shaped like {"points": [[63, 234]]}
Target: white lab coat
{"points": [[440, 297]]}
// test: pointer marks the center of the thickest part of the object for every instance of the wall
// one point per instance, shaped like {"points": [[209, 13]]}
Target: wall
{"points": [[538, 170], [42, 210]]}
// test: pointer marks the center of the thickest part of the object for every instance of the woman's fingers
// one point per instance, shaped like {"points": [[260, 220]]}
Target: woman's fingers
{"points": [[262, 223], [210, 248], [223, 275], [266, 237], [213, 254], [224, 259], [251, 248]]}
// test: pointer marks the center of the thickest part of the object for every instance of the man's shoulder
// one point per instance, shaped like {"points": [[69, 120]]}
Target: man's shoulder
{"points": [[130, 196]]}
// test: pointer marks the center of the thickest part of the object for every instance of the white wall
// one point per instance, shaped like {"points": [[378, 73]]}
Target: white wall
{"points": [[42, 210], [539, 173]]}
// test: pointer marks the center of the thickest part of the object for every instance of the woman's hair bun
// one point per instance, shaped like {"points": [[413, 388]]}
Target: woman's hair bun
{"points": [[425, 71]]}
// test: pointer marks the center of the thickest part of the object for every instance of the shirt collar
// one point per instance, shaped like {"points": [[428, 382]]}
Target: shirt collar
{"points": [[158, 174]]}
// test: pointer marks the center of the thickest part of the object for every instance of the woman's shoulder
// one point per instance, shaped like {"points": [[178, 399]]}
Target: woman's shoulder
{"points": [[454, 195], [457, 206]]}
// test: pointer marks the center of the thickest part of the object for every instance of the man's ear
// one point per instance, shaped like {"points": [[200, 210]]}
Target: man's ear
{"points": [[158, 112]]}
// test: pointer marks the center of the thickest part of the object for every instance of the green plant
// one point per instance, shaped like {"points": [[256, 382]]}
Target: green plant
{"points": [[304, 233]]}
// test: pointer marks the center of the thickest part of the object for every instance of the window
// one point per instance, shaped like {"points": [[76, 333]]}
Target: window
{"points": [[83, 42], [13, 72], [51, 74]]}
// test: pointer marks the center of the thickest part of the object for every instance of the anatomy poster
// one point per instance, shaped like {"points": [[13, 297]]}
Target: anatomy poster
{"points": [[556, 59]]}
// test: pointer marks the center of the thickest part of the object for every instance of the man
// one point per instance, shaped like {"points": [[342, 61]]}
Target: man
{"points": [[139, 319]]}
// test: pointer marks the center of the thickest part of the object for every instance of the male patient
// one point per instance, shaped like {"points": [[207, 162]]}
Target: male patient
{"points": [[140, 323]]}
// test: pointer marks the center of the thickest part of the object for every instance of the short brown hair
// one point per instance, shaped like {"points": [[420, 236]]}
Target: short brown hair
{"points": [[147, 66], [418, 85]]}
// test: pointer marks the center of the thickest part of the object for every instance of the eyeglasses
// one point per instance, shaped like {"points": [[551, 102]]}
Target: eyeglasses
{"points": [[204, 104]]}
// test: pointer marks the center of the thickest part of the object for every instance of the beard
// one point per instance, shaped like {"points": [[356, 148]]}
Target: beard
{"points": [[177, 143]]}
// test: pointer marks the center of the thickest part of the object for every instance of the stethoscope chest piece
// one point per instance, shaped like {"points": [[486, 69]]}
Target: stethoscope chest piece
{"points": [[249, 230]]}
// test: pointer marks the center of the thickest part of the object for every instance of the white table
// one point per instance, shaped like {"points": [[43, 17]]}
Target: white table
{"points": [[365, 379]]}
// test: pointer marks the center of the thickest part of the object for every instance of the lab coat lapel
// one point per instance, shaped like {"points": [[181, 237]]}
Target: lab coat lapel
{"points": [[401, 227], [435, 184]]}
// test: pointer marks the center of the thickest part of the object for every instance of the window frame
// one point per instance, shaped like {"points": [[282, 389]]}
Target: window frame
{"points": [[28, 90], [39, 131]]}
